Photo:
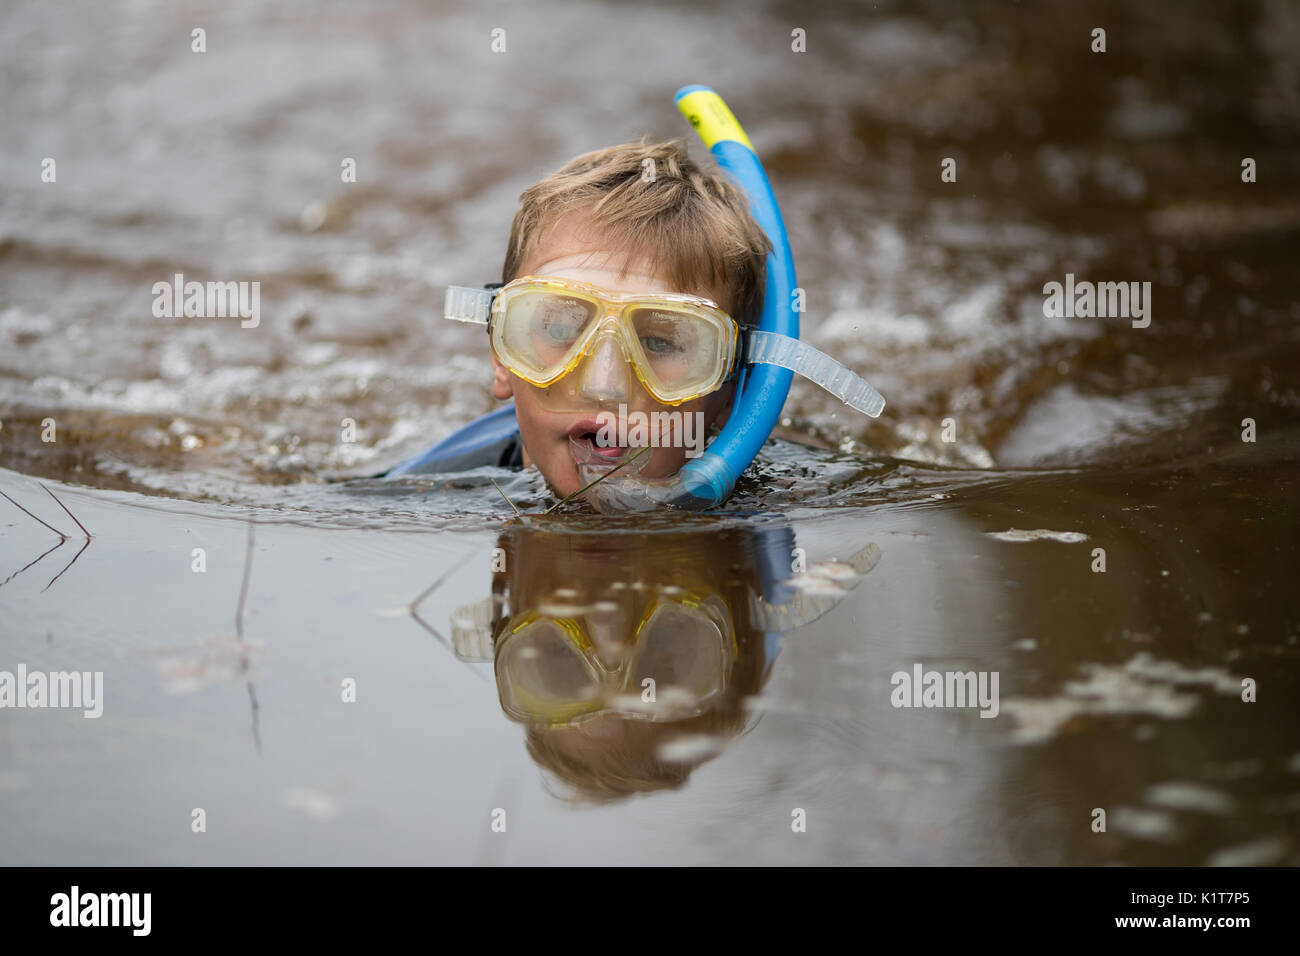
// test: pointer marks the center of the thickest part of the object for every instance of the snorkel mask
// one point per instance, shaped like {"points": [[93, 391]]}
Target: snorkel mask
{"points": [[761, 360], [556, 670]]}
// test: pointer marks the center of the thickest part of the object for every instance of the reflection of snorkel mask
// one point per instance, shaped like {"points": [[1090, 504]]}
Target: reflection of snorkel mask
{"points": [[555, 670], [585, 328], [573, 656]]}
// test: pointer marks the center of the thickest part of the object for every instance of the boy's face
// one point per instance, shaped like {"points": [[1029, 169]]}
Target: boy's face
{"points": [[553, 440]]}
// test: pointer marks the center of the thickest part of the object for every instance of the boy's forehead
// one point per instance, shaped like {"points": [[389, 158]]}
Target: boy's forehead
{"points": [[570, 251], [602, 268]]}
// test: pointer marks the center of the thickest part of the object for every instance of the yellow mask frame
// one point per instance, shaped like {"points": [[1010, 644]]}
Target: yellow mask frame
{"points": [[521, 705], [615, 314]]}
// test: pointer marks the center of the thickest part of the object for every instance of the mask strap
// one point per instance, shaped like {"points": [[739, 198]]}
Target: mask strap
{"points": [[772, 348], [465, 304]]}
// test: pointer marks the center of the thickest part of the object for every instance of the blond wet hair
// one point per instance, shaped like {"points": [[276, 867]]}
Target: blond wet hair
{"points": [[692, 223]]}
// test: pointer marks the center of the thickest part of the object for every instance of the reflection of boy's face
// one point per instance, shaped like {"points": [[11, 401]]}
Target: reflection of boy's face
{"points": [[568, 251], [592, 580], [592, 616], [607, 581]]}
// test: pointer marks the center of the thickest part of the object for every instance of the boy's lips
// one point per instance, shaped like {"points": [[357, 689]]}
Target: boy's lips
{"points": [[583, 444]]}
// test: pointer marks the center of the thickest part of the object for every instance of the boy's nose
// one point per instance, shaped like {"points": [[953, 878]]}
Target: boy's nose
{"points": [[607, 627], [605, 375]]}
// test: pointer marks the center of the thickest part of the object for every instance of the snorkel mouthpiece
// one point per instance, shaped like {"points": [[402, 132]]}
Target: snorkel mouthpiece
{"points": [[764, 382]]}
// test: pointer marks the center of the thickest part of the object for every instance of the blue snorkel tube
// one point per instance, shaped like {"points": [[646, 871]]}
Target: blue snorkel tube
{"points": [[706, 481], [764, 388]]}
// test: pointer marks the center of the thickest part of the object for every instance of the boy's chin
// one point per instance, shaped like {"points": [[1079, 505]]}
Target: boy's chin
{"points": [[565, 480], [564, 477]]}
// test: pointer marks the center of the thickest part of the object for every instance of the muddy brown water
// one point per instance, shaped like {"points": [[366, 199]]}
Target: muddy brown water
{"points": [[1073, 440]]}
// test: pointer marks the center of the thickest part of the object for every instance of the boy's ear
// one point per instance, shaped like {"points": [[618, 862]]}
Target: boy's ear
{"points": [[502, 386]]}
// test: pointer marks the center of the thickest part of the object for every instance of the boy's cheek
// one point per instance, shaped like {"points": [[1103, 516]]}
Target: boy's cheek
{"points": [[549, 454]]}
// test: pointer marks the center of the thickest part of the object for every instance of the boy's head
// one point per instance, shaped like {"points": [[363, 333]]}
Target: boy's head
{"points": [[635, 218]]}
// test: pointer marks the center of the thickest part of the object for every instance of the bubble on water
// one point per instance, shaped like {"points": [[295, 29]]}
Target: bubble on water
{"points": [[558, 609], [313, 216], [315, 803], [1189, 796], [25, 326], [175, 362], [691, 748], [1255, 853], [1152, 825], [1039, 534], [187, 670]]}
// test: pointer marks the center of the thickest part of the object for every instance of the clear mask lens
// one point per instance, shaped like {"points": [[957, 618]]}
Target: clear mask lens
{"points": [[541, 332], [683, 648], [542, 672]]}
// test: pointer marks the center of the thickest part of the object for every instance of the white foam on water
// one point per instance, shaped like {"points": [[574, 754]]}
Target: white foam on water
{"points": [[1143, 685], [1038, 534], [1183, 795]]}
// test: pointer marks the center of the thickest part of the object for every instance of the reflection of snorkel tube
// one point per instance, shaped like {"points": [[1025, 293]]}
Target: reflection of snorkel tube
{"points": [[773, 351]]}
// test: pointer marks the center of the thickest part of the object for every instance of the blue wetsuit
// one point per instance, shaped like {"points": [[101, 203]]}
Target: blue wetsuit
{"points": [[492, 440]]}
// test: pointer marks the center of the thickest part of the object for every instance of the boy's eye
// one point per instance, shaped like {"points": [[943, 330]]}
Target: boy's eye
{"points": [[560, 320], [667, 335], [657, 345], [560, 331]]}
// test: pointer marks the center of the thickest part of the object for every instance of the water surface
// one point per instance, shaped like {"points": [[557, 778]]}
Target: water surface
{"points": [[1119, 689]]}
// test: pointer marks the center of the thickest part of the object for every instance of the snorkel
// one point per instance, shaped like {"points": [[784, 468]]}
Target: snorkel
{"points": [[766, 361]]}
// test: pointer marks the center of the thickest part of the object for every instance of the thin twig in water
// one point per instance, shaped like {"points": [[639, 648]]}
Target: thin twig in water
{"points": [[425, 624], [597, 481], [83, 547], [68, 565], [503, 495], [30, 563], [243, 588], [424, 594], [252, 697], [63, 538], [70, 514], [30, 515], [239, 632]]}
